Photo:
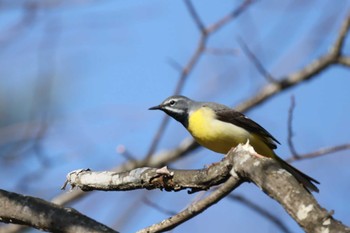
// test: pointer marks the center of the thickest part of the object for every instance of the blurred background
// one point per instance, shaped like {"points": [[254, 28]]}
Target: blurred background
{"points": [[78, 76]]}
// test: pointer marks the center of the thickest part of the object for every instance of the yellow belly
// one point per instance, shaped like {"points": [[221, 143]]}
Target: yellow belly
{"points": [[220, 136]]}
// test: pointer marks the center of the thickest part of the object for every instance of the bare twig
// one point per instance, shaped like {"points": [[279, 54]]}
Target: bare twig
{"points": [[345, 61], [290, 127], [307, 73], [226, 19], [121, 149], [320, 152], [15, 31], [336, 49], [265, 213], [195, 208], [174, 64], [158, 207], [195, 16], [221, 51], [259, 66]]}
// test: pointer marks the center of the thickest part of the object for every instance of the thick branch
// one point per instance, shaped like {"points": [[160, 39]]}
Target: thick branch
{"points": [[151, 178], [281, 186], [241, 164], [43, 215]]}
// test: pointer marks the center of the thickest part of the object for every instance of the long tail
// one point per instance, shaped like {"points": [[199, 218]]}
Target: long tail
{"points": [[305, 180]]}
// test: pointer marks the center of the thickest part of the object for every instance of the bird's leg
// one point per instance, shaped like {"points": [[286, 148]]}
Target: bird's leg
{"points": [[249, 148]]}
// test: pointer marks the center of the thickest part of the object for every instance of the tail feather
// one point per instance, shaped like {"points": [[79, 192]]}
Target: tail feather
{"points": [[305, 180]]}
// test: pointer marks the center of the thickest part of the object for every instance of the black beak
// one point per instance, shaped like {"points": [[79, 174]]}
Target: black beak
{"points": [[158, 107]]}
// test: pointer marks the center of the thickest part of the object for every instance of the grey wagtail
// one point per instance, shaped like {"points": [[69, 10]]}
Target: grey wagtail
{"points": [[219, 128]]}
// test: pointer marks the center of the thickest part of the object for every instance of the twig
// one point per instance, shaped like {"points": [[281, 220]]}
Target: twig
{"points": [[219, 24], [121, 149], [195, 16], [290, 127], [222, 51], [255, 61], [174, 64], [195, 208], [307, 73], [158, 207], [320, 152], [261, 211], [336, 49], [345, 61]]}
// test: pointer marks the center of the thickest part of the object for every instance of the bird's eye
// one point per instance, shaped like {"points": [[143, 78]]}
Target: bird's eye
{"points": [[172, 103]]}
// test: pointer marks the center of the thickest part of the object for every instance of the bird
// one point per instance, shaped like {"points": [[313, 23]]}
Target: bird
{"points": [[220, 128]]}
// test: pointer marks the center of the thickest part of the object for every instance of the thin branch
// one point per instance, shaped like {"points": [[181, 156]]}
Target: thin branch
{"points": [[320, 152], [265, 213], [158, 207], [255, 61], [195, 208], [226, 19], [336, 49], [221, 51], [121, 149], [174, 64], [193, 12], [14, 32], [307, 73], [345, 61], [290, 127]]}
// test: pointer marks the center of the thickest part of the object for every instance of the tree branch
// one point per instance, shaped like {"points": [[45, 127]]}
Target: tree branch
{"points": [[345, 61], [239, 165], [263, 212], [280, 185], [290, 128], [151, 178], [195, 208], [308, 72], [320, 152], [259, 66], [43, 215]]}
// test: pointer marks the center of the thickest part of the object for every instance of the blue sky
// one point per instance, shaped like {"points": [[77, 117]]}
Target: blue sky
{"points": [[93, 68]]}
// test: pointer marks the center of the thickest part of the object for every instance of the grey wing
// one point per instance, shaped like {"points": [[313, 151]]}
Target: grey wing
{"points": [[231, 116]]}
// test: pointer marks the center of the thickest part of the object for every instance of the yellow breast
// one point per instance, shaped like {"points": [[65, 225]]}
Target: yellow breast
{"points": [[221, 136], [213, 134]]}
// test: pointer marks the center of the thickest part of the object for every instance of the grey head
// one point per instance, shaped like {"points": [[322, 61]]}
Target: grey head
{"points": [[178, 107]]}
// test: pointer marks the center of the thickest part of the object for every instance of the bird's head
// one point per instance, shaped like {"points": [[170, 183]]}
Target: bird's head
{"points": [[178, 107]]}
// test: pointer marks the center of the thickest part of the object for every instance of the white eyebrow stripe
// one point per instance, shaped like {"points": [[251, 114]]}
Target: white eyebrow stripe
{"points": [[174, 109]]}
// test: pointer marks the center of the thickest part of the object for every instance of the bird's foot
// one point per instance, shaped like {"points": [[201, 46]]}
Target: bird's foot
{"points": [[164, 171]]}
